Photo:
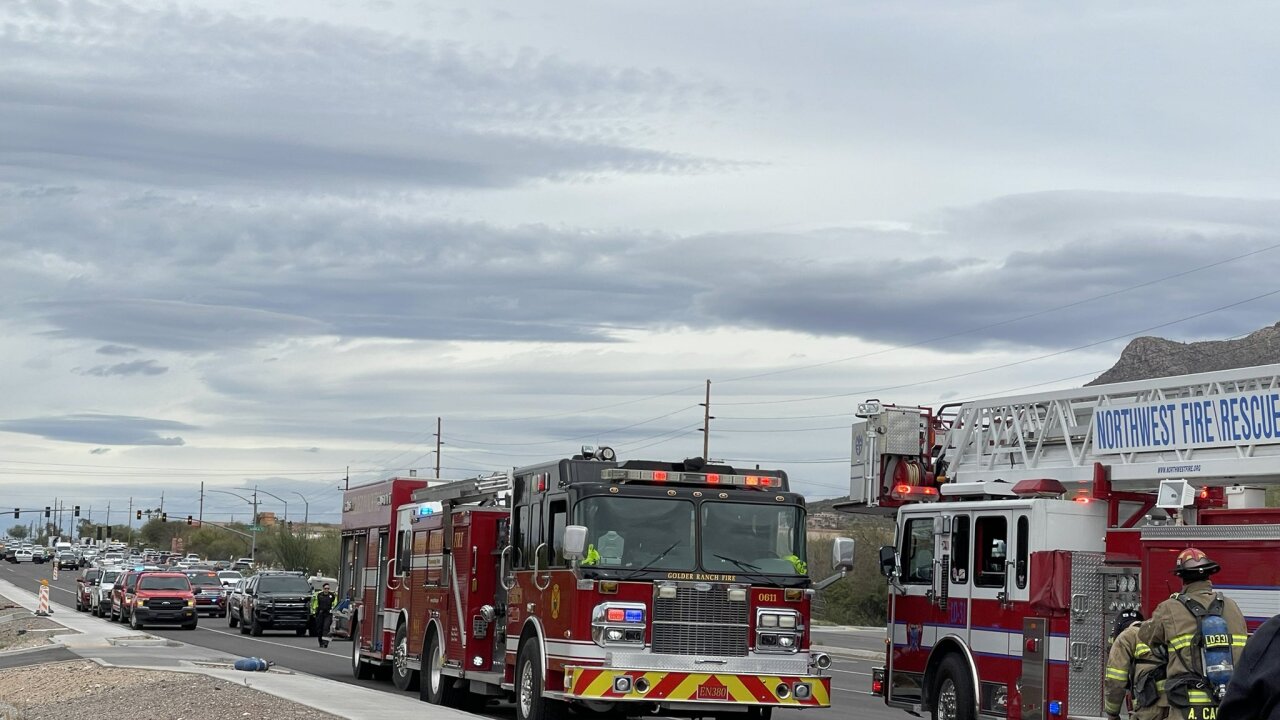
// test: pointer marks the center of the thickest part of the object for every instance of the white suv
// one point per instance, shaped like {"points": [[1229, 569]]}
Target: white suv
{"points": [[101, 594]]}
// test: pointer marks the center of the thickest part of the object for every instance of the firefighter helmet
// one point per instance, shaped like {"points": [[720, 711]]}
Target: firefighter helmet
{"points": [[1127, 617], [1193, 565]]}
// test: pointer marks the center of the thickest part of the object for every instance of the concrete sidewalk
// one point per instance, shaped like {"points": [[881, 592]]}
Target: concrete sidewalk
{"points": [[98, 640]]}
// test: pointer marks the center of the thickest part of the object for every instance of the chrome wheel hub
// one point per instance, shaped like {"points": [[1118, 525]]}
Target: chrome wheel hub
{"points": [[401, 657], [947, 704], [526, 690]]}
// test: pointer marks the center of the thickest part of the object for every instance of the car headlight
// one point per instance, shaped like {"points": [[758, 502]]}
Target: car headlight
{"points": [[191, 602]]}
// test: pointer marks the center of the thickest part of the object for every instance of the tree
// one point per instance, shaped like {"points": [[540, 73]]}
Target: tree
{"points": [[861, 597], [18, 531], [159, 534]]}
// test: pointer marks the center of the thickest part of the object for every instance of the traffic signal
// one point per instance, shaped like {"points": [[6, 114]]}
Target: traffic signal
{"points": [[139, 514], [17, 512], [164, 517], [46, 511], [188, 519], [77, 511]]}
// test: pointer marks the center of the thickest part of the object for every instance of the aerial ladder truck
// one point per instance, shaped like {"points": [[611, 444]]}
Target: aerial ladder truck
{"points": [[1026, 524]]}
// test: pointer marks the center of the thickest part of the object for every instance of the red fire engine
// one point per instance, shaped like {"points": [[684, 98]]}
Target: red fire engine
{"points": [[642, 586], [1025, 524]]}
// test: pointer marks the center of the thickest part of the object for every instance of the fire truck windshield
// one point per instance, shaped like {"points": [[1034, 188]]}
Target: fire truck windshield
{"points": [[631, 532], [640, 534], [767, 539]]}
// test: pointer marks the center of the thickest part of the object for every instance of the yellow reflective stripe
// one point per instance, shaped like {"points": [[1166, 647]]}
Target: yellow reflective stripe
{"points": [[1141, 650], [1116, 674], [1112, 708], [1159, 686], [1239, 640], [1198, 696], [1181, 641]]}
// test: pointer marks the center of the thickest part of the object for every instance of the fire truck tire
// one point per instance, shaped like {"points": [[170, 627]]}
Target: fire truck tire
{"points": [[953, 693], [403, 677], [359, 668], [530, 705], [434, 686]]}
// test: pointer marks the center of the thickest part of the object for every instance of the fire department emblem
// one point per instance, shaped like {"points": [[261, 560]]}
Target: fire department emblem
{"points": [[914, 633], [555, 602]]}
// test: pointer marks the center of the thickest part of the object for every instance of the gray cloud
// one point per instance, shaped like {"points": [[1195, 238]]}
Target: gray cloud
{"points": [[99, 429], [116, 350], [133, 367], [99, 451], [149, 95], [360, 274]]}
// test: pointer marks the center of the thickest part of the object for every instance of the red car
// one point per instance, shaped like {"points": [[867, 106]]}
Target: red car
{"points": [[162, 597], [84, 589]]}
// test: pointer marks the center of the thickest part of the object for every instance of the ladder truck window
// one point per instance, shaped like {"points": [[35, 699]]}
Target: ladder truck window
{"points": [[520, 536], [991, 545], [435, 557], [632, 532], [1024, 540], [917, 551], [555, 526], [757, 538], [404, 552], [960, 550]]}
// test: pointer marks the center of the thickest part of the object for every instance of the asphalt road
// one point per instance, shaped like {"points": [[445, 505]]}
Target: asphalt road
{"points": [[850, 677]]}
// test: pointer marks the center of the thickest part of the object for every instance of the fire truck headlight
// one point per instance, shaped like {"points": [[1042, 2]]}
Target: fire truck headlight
{"points": [[786, 641], [801, 691], [613, 634], [787, 621], [769, 621], [668, 592], [737, 594]]}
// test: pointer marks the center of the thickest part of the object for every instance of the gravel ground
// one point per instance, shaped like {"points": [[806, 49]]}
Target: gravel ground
{"points": [[19, 629], [84, 690]]}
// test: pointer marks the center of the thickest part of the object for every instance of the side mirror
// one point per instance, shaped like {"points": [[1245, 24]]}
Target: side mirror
{"points": [[842, 554], [574, 542], [888, 561]]}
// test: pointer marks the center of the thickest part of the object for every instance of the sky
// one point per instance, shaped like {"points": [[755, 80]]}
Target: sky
{"points": [[267, 245]]}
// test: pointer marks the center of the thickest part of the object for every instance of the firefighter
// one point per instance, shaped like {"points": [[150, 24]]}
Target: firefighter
{"points": [[1201, 633], [1124, 664]]}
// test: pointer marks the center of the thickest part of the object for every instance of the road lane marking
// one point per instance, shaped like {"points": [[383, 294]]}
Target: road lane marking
{"points": [[849, 672], [272, 642]]}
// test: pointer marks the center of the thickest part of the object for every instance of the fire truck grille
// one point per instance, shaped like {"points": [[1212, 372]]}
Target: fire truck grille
{"points": [[697, 622]]}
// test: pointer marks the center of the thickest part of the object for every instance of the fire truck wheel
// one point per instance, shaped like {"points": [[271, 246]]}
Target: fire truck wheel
{"points": [[435, 687], [530, 705], [404, 677], [952, 692], [359, 668]]}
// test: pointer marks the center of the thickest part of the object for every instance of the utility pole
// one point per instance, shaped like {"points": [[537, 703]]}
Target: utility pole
{"points": [[437, 448], [348, 477], [108, 517], [707, 417], [202, 502], [253, 550], [161, 502], [129, 540]]}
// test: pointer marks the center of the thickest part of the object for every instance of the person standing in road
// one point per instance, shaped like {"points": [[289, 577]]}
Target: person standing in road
{"points": [[1127, 659], [1201, 633], [322, 612], [1254, 691]]}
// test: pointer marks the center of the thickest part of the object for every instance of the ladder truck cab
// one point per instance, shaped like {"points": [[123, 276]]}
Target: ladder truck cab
{"points": [[1025, 525], [635, 587]]}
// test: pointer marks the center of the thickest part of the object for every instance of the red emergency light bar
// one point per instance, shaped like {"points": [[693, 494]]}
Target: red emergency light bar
{"points": [[903, 491], [630, 475]]}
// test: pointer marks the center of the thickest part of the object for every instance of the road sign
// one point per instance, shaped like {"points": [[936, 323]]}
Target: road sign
{"points": [[256, 528]]}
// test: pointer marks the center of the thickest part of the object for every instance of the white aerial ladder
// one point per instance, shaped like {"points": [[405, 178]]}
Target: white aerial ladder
{"points": [[1215, 429]]}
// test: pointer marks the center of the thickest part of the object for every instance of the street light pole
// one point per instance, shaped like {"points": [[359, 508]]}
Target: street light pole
{"points": [[286, 502], [253, 525], [306, 510]]}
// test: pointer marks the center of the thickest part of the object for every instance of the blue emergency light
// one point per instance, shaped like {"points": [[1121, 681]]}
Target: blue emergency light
{"points": [[635, 616], [1055, 707]]}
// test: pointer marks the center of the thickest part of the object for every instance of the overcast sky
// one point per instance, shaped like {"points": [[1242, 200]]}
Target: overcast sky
{"points": [[259, 243]]}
